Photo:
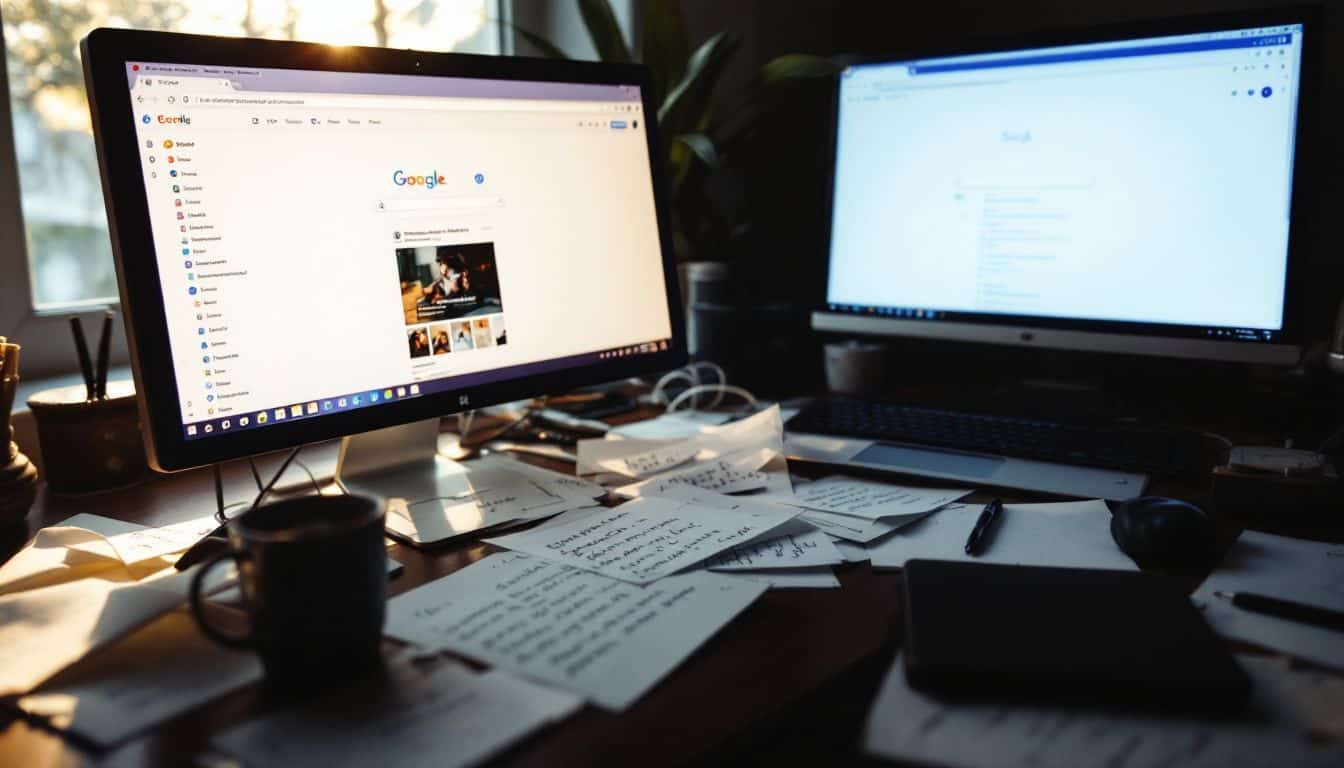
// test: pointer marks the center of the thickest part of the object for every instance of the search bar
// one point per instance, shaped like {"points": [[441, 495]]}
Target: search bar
{"points": [[473, 202]]}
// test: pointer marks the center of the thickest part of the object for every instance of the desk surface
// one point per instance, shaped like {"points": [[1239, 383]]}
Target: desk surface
{"points": [[789, 680]]}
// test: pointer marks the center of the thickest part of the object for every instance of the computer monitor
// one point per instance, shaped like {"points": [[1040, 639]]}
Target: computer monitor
{"points": [[316, 241], [1137, 189]]}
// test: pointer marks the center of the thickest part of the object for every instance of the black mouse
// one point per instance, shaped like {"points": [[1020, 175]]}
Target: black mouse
{"points": [[1164, 532]]}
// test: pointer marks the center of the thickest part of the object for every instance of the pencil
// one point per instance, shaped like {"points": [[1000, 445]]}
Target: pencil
{"points": [[82, 349], [100, 382]]}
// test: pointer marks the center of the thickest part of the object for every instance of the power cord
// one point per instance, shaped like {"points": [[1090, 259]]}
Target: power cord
{"points": [[696, 387]]}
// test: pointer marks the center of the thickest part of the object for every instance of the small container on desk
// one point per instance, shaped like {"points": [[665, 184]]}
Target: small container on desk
{"points": [[88, 444]]}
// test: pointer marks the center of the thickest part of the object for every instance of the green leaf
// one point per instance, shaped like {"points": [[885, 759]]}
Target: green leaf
{"points": [[796, 66], [666, 44], [548, 49], [702, 146], [688, 105], [604, 30]]}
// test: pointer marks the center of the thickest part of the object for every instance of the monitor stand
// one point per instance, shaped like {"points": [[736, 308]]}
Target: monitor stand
{"points": [[402, 466]]}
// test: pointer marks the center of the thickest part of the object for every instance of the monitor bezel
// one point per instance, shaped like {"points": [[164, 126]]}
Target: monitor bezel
{"points": [[107, 52], [1147, 339]]}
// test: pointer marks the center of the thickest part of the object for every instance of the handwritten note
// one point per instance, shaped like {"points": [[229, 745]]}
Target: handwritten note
{"points": [[760, 431], [605, 639], [857, 529], [648, 538], [157, 673], [798, 546], [448, 717], [495, 498], [820, 577], [909, 726], [652, 462], [872, 500], [734, 473]]}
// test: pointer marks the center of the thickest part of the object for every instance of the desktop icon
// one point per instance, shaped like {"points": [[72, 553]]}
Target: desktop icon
{"points": [[356, 400], [312, 408], [204, 345], [153, 159], [145, 119], [326, 405], [177, 188], [261, 417], [180, 216], [296, 410], [401, 391], [191, 430], [243, 422], [209, 398], [342, 402], [186, 264], [172, 159], [387, 394], [225, 424], [210, 411], [191, 291], [479, 178], [280, 414], [173, 174], [205, 359], [167, 143], [209, 427], [178, 202], [415, 389], [373, 397]]}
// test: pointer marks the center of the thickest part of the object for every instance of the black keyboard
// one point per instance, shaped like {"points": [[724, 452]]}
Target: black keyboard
{"points": [[1164, 452]]}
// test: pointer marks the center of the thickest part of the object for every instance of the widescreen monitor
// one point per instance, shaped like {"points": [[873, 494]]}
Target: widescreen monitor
{"points": [[1138, 189], [314, 241]]}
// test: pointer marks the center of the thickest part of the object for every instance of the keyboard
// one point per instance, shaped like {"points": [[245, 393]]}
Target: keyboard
{"points": [[1159, 452]]}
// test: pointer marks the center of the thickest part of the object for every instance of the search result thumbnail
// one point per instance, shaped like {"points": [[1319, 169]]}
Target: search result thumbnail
{"points": [[447, 282]]}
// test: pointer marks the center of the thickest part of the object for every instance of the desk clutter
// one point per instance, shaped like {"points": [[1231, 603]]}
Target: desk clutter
{"points": [[18, 475], [596, 605]]}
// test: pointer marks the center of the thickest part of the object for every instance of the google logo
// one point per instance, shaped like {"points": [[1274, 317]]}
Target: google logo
{"points": [[430, 181]]}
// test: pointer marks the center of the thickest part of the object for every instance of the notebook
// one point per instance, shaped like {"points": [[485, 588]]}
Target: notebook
{"points": [[1088, 636]]}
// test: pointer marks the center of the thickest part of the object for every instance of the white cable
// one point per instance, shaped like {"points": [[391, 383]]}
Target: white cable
{"points": [[720, 389]]}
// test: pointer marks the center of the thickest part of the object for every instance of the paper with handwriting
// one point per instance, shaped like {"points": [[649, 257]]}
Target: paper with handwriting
{"points": [[762, 430], [605, 639], [733, 473], [857, 529], [446, 716], [648, 538], [872, 500], [820, 577], [913, 727]]}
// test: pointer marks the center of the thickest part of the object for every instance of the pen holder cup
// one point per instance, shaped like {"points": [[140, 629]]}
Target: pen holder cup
{"points": [[89, 445]]}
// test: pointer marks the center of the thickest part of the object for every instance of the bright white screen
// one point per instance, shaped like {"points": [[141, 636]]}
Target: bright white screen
{"points": [[298, 242], [1097, 182]]}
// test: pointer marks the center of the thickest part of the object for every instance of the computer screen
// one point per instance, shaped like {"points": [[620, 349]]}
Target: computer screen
{"points": [[338, 241], [1139, 187]]}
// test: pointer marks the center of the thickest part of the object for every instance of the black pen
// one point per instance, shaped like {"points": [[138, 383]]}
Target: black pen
{"points": [[975, 543], [85, 364], [100, 379], [1285, 609]]}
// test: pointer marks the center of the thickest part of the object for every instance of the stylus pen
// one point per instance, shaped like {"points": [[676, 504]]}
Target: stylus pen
{"points": [[85, 364], [1285, 609], [975, 543], [100, 379]]}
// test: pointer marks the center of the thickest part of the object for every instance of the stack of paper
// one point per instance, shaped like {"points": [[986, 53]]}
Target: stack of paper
{"points": [[605, 639], [1289, 569], [863, 511], [448, 716], [913, 727], [745, 456]]}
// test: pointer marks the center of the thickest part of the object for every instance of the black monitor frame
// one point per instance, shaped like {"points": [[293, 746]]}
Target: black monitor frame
{"points": [[1105, 336], [107, 52]]}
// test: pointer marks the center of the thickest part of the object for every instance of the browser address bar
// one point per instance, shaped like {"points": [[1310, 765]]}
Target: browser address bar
{"points": [[470, 202]]}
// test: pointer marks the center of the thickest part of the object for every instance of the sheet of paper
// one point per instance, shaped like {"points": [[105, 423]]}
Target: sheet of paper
{"points": [[676, 426], [852, 552], [871, 499], [605, 639], [651, 462], [1074, 534], [157, 673], [648, 538], [793, 545], [733, 473], [858, 529], [43, 631], [447, 717], [761, 431], [912, 727], [1277, 566], [135, 543], [555, 482], [803, 578]]}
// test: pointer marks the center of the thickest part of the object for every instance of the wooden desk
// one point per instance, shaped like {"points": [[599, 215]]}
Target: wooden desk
{"points": [[789, 680]]}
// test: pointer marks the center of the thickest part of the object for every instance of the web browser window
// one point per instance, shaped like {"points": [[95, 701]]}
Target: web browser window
{"points": [[1144, 181], [330, 241]]}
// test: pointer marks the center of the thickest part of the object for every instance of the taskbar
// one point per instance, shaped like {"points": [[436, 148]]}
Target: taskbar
{"points": [[311, 409]]}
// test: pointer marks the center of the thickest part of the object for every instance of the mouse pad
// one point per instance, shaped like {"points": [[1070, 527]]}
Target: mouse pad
{"points": [[1088, 636]]}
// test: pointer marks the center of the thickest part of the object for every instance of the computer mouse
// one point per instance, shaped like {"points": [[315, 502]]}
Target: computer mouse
{"points": [[1164, 532]]}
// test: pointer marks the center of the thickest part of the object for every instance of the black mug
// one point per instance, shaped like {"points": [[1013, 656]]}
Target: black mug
{"points": [[313, 575]]}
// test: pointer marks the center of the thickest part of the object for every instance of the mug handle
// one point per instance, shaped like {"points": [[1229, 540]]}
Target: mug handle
{"points": [[243, 641]]}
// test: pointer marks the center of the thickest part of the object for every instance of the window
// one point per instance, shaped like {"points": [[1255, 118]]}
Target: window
{"points": [[62, 229]]}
